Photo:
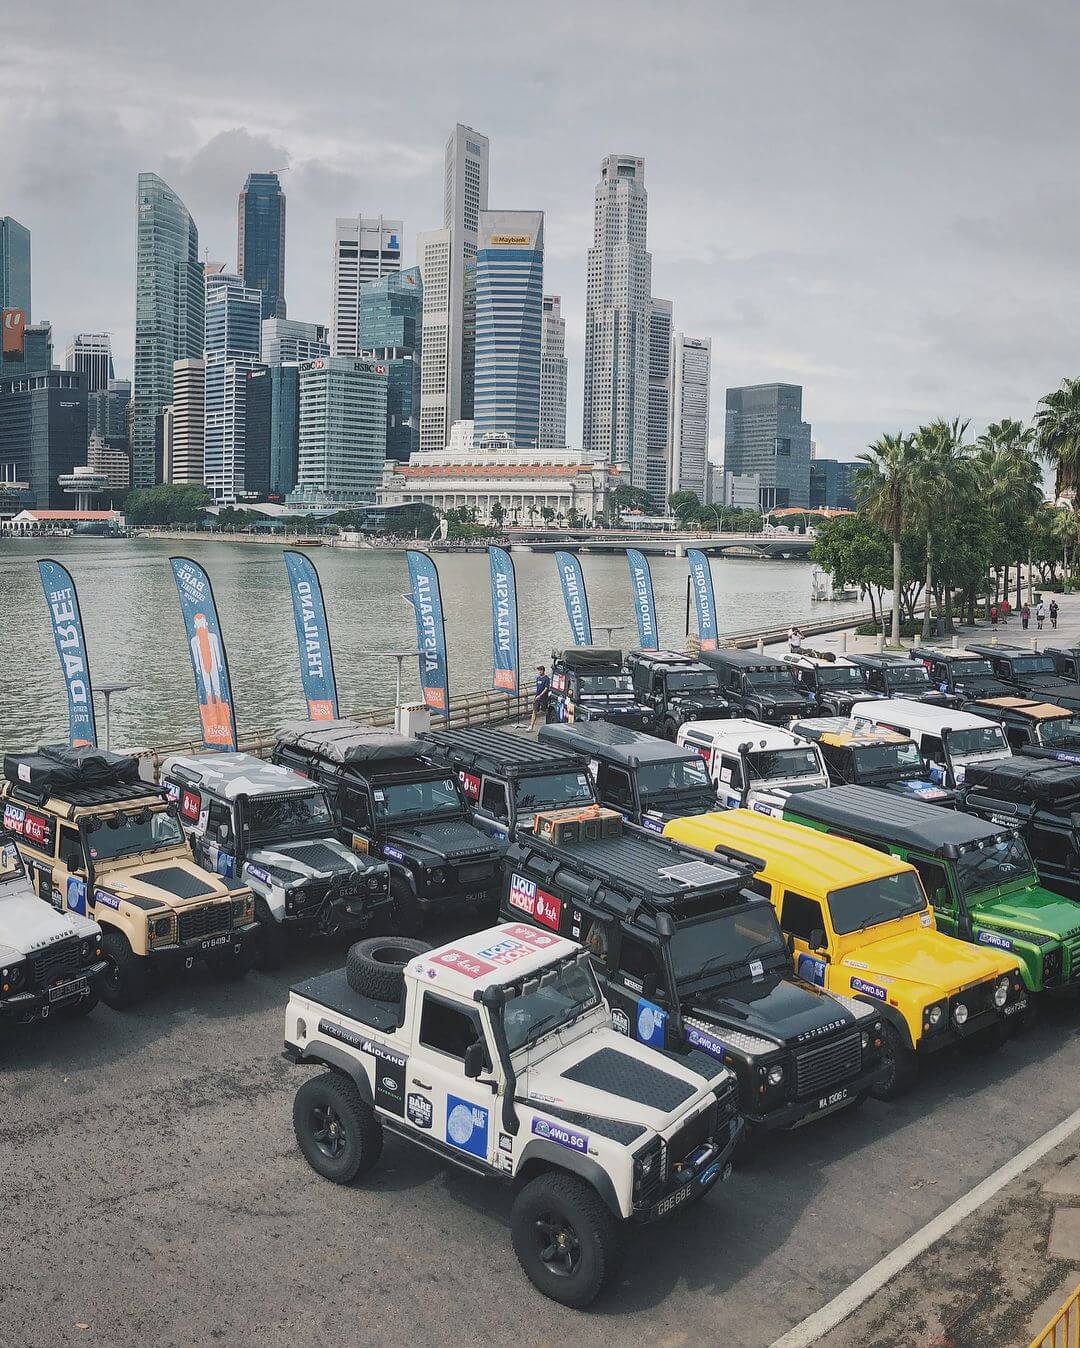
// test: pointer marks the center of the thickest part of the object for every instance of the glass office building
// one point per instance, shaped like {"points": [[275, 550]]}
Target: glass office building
{"points": [[14, 265], [391, 319], [342, 435], [260, 243], [233, 329], [765, 434]]}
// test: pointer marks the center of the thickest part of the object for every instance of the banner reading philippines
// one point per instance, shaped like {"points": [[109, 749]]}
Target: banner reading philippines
{"points": [[504, 621], [67, 630], [430, 631], [704, 599], [208, 659], [574, 597], [644, 604], [312, 638]]}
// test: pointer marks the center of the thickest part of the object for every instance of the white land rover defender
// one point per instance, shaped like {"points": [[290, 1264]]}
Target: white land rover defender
{"points": [[496, 1052], [753, 765]]}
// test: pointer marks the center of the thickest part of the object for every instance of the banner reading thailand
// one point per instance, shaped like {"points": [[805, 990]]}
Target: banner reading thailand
{"points": [[574, 597], [67, 630], [504, 622], [208, 659], [644, 605], [312, 638], [701, 582], [430, 631]]}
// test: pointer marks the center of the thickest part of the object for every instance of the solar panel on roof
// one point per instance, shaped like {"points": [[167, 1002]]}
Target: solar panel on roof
{"points": [[696, 873]]}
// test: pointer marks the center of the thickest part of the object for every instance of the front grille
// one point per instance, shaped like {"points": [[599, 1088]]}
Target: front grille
{"points": [[978, 999], [58, 964], [690, 1136], [309, 897], [210, 920], [1072, 954], [470, 875], [829, 1064]]}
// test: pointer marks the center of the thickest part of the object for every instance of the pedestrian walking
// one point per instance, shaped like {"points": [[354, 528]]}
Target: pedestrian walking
{"points": [[1025, 616], [993, 615], [540, 695], [794, 637], [1053, 612], [1040, 614]]}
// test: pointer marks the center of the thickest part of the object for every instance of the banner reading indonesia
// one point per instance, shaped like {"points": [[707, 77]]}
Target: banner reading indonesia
{"points": [[574, 597], [705, 600], [430, 630], [67, 631], [208, 659], [644, 605], [312, 638], [504, 621]]}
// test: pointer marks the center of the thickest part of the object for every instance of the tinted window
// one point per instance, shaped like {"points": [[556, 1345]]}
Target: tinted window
{"points": [[1000, 861], [71, 850], [856, 907], [680, 774], [283, 816], [552, 790], [392, 800], [799, 916], [446, 1028], [617, 786], [935, 881], [770, 764], [637, 959], [725, 940], [698, 681], [493, 799]]}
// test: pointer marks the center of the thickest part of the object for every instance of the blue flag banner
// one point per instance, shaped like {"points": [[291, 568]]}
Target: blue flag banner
{"points": [[208, 659], [312, 638], [705, 600], [574, 597], [67, 632], [644, 604], [430, 631], [504, 621]]}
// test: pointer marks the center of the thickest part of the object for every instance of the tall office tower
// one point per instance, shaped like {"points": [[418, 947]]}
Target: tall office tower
{"points": [[188, 412], [618, 290], [691, 367], [258, 429], [391, 319], [552, 375], [233, 326], [658, 428], [433, 254], [114, 462], [260, 240], [169, 300], [342, 432], [91, 354], [765, 434], [364, 250], [14, 265], [107, 417], [285, 339], [509, 317], [42, 423]]}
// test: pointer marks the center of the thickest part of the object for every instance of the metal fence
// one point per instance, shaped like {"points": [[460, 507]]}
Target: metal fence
{"points": [[1063, 1331]]}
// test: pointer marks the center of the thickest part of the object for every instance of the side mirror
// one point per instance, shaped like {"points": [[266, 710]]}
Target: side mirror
{"points": [[648, 986], [223, 833], [817, 939], [474, 1060]]}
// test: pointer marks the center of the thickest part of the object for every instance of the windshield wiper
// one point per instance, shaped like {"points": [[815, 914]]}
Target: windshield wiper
{"points": [[727, 961]]}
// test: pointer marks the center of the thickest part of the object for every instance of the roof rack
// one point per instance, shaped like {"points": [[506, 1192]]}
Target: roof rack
{"points": [[465, 747], [77, 797]]}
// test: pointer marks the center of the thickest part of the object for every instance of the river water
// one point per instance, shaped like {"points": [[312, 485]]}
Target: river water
{"points": [[135, 634]]}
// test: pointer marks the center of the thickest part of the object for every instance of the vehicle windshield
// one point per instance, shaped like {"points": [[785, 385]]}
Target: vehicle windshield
{"points": [[10, 862], [907, 675], [769, 678], [606, 683], [120, 834], [282, 816], [872, 902], [678, 774], [988, 739], [974, 669], [726, 940], [1000, 861], [437, 796], [557, 999], [1059, 730], [1033, 664], [839, 676], [701, 680], [874, 758], [770, 764], [552, 790]]}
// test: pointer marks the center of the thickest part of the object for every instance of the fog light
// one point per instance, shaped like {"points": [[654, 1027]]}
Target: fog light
{"points": [[776, 1075], [1001, 992], [960, 1013]]}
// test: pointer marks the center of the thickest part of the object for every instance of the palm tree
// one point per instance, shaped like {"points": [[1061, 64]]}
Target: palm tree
{"points": [[1057, 439], [1010, 483], [941, 476], [883, 488]]}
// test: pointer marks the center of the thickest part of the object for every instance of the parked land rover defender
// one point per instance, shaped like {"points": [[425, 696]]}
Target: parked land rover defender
{"points": [[591, 683], [965, 673], [677, 688], [758, 687], [1031, 673], [879, 758], [1040, 729], [754, 764], [832, 683], [950, 741], [896, 676]]}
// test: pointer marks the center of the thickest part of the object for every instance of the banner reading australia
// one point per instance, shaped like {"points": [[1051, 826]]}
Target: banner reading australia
{"points": [[701, 583], [504, 622], [312, 638], [207, 649], [430, 631], [67, 630], [644, 605], [574, 597]]}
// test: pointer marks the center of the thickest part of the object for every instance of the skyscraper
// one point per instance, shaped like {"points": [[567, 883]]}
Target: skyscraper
{"points": [[342, 431], [288, 339], [552, 375], [658, 428], [691, 367], [618, 290], [233, 325], [91, 354], [433, 254], [14, 265], [260, 240], [391, 319], [766, 434], [364, 250], [509, 316], [42, 423], [187, 422], [169, 303]]}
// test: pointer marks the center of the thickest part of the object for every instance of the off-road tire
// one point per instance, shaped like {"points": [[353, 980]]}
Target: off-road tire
{"points": [[990, 1040], [271, 943], [124, 981], [903, 1064], [328, 1103], [376, 967], [556, 1199], [81, 1008], [403, 917]]}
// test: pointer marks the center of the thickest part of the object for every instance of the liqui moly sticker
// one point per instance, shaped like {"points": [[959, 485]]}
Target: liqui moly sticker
{"points": [[463, 963], [539, 940], [527, 896]]}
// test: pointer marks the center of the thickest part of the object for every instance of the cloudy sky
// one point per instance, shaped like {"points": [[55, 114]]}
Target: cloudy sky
{"points": [[879, 201]]}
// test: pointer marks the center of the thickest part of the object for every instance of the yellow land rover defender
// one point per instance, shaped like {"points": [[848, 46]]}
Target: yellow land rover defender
{"points": [[858, 923], [99, 841]]}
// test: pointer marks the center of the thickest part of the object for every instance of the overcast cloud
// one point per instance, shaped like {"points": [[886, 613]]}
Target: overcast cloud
{"points": [[879, 201]]}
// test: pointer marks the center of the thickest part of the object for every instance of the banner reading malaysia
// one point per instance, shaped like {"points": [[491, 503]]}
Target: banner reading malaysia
{"points": [[430, 631], [67, 631], [705, 600], [208, 659], [644, 605], [504, 621], [574, 597], [312, 638]]}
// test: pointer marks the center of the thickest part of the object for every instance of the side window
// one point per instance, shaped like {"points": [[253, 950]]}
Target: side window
{"points": [[355, 808], [800, 916], [876, 680], [71, 856], [217, 817], [731, 771], [1017, 735], [932, 750], [935, 880], [641, 963], [618, 788], [758, 886], [447, 1028], [1051, 845], [493, 799]]}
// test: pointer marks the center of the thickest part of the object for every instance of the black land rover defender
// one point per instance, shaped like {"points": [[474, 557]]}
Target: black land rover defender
{"points": [[676, 688], [959, 671], [1031, 673], [832, 683], [1038, 729], [896, 676], [880, 758], [690, 956], [646, 779], [758, 686], [392, 803], [591, 683]]}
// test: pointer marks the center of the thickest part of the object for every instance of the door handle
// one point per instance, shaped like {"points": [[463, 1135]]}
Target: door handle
{"points": [[422, 1084]]}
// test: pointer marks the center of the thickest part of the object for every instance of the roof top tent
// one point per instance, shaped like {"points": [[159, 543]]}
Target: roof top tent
{"points": [[55, 767], [1033, 781], [617, 742], [346, 742], [589, 657]]}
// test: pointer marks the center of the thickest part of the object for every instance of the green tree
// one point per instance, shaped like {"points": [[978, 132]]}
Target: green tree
{"points": [[498, 515], [883, 488], [547, 514], [684, 505], [856, 551], [941, 480], [624, 497], [1009, 482], [166, 504], [1057, 438]]}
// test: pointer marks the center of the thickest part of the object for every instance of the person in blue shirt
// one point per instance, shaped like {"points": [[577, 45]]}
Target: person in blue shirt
{"points": [[540, 697]]}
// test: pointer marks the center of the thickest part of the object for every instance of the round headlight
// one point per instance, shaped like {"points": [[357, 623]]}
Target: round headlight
{"points": [[162, 926], [1001, 992], [865, 1040], [935, 1015], [960, 1013], [12, 977], [775, 1075]]}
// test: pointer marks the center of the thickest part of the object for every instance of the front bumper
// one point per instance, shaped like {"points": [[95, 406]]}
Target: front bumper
{"points": [[793, 1113], [460, 895], [239, 940], [712, 1163], [335, 911], [38, 1003], [984, 1020]]}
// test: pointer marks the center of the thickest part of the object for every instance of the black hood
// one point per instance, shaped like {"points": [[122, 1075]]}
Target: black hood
{"points": [[983, 687], [699, 701], [773, 1006], [444, 839], [781, 699]]}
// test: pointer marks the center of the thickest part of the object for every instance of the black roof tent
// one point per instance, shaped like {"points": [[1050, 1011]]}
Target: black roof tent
{"points": [[1032, 781], [602, 739], [501, 751], [589, 657], [871, 813], [346, 742], [748, 660], [56, 769]]}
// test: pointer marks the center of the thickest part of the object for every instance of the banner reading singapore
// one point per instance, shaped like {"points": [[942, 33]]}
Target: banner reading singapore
{"points": [[574, 597], [312, 638], [504, 623], [644, 605], [67, 629], [208, 659], [430, 631], [701, 581]]}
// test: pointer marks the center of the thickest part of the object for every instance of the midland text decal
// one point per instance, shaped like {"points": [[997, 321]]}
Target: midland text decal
{"points": [[504, 623], [574, 597], [430, 631], [67, 630], [701, 582], [312, 638], [644, 606], [208, 660]]}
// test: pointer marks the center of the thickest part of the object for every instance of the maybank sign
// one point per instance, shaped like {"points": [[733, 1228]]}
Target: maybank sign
{"points": [[511, 241]]}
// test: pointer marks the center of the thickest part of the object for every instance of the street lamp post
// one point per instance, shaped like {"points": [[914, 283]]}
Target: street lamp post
{"points": [[609, 628], [107, 690]]}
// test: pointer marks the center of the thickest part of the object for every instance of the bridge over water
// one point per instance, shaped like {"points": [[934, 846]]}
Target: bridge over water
{"points": [[671, 544]]}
